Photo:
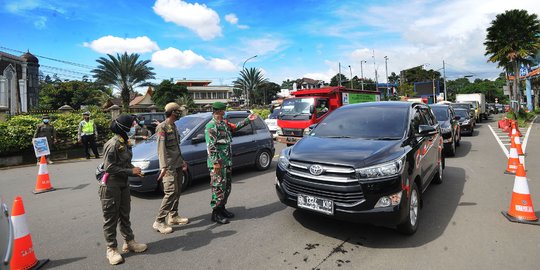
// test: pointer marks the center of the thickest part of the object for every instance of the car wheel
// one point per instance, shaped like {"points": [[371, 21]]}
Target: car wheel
{"points": [[438, 177], [186, 181], [263, 160], [410, 224]]}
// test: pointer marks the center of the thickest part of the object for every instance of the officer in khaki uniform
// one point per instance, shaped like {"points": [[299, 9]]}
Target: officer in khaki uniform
{"points": [[45, 129], [171, 164], [114, 190]]}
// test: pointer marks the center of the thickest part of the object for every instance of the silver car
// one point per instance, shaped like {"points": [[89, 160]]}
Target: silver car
{"points": [[6, 236]]}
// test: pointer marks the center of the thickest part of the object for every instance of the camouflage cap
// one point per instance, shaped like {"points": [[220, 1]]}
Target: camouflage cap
{"points": [[218, 106], [172, 106]]}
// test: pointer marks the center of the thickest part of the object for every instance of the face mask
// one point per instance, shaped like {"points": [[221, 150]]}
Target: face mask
{"points": [[141, 123], [46, 121]]}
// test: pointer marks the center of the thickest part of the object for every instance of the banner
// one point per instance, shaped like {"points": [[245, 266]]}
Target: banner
{"points": [[41, 146]]}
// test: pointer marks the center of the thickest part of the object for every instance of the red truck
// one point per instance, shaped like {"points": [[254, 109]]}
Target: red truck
{"points": [[310, 106]]}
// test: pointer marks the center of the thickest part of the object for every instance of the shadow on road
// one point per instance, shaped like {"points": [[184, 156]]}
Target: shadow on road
{"points": [[56, 263], [439, 205], [463, 149]]}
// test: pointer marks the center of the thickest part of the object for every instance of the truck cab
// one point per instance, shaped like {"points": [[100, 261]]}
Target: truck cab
{"points": [[309, 106]]}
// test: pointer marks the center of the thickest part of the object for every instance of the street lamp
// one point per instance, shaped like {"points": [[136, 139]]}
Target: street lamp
{"points": [[350, 69], [386, 67], [245, 88], [362, 72]]}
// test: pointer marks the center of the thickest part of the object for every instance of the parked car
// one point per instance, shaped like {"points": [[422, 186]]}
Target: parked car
{"points": [[367, 162], [500, 108], [251, 146], [450, 129], [465, 122], [491, 109], [151, 119], [271, 122], [469, 108], [6, 236]]}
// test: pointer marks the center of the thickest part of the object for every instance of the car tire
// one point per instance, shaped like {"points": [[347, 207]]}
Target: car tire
{"points": [[438, 177], [263, 160], [186, 182], [410, 224]]}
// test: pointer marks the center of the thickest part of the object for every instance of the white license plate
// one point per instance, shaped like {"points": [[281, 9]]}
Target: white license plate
{"points": [[321, 205]]}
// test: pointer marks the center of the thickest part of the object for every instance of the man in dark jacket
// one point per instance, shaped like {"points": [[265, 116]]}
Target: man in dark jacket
{"points": [[45, 129]]}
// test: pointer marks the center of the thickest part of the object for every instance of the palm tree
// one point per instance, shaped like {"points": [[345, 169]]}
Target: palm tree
{"points": [[249, 80], [186, 101], [513, 36], [124, 72]]}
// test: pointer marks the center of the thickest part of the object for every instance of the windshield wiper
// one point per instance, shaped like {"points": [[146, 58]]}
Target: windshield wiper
{"points": [[385, 138], [338, 137]]}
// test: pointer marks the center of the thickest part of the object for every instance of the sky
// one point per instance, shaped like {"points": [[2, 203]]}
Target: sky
{"points": [[212, 40]]}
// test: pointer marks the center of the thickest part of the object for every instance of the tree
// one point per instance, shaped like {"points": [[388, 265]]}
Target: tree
{"points": [[249, 80], [167, 92], [334, 81], [264, 93], [186, 101], [513, 36], [73, 93], [124, 72]]}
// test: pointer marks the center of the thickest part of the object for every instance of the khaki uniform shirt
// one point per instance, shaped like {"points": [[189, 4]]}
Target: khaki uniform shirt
{"points": [[117, 161], [168, 146], [45, 130]]}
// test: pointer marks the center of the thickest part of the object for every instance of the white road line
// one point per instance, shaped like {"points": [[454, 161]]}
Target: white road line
{"points": [[505, 151], [524, 144]]}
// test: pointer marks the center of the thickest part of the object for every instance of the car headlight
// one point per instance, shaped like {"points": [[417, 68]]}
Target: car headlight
{"points": [[283, 162], [307, 131], [466, 122], [141, 164], [279, 131], [384, 170], [391, 200]]}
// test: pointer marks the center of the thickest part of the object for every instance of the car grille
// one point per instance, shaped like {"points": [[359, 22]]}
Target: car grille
{"points": [[293, 131], [336, 183]]}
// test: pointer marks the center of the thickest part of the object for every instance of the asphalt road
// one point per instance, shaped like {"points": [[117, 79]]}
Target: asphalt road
{"points": [[461, 225]]}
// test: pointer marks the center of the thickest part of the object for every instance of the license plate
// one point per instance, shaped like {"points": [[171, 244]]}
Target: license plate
{"points": [[317, 204], [291, 139]]}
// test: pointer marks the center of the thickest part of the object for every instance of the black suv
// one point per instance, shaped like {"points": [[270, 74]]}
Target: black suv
{"points": [[251, 146], [450, 129], [365, 162]]}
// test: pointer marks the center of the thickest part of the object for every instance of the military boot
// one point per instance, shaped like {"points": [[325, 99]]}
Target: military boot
{"points": [[218, 217], [177, 220], [226, 213], [162, 227], [114, 256], [131, 245]]}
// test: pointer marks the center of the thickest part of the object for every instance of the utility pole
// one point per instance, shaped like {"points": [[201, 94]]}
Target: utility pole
{"points": [[339, 72], [444, 80], [350, 69], [375, 68], [245, 88], [362, 72], [386, 67]]}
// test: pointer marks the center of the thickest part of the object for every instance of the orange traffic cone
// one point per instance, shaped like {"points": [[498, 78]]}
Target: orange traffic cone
{"points": [[43, 183], [513, 160], [517, 142], [23, 251], [517, 129], [521, 207], [514, 131]]}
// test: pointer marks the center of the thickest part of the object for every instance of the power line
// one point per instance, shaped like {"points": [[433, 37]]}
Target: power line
{"points": [[65, 70], [52, 59]]}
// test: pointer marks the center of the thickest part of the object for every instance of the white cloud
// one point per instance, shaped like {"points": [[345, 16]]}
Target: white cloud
{"points": [[221, 64], [198, 18], [233, 19], [264, 45], [22, 5], [174, 58], [110, 44], [41, 22]]}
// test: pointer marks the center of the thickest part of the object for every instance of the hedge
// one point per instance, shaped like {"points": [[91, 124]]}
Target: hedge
{"points": [[17, 132]]}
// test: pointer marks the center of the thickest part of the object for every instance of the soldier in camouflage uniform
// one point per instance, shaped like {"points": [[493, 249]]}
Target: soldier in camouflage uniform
{"points": [[172, 166], [114, 190], [218, 141]]}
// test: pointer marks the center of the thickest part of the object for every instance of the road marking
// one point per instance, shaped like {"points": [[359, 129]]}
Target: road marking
{"points": [[505, 151], [527, 135]]}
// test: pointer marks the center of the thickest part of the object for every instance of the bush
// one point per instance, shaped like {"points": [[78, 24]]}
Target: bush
{"points": [[263, 113], [522, 117], [16, 134]]}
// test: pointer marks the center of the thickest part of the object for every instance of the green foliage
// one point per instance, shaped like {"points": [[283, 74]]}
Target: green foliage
{"points": [[263, 113], [265, 93], [124, 71], [250, 80], [17, 132], [73, 93], [167, 92]]}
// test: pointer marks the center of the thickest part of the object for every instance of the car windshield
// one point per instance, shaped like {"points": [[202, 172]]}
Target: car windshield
{"points": [[374, 123], [462, 113], [296, 108], [473, 105], [274, 114], [185, 124], [462, 105], [441, 113]]}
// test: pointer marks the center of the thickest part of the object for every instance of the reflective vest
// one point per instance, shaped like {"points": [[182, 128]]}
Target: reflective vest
{"points": [[88, 127]]}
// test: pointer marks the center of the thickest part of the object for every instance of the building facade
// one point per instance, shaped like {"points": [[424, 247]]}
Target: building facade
{"points": [[203, 94], [19, 83]]}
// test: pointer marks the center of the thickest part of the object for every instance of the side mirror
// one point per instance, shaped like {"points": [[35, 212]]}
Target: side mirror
{"points": [[311, 109], [197, 139], [426, 130]]}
